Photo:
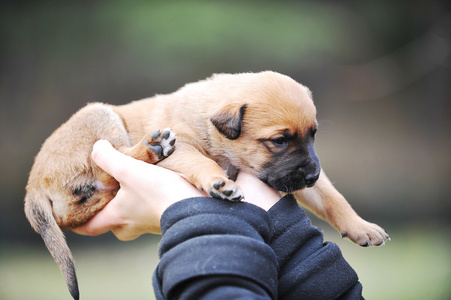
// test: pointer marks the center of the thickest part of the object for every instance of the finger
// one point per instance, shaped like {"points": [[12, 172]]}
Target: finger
{"points": [[125, 235], [256, 192], [111, 160], [102, 222]]}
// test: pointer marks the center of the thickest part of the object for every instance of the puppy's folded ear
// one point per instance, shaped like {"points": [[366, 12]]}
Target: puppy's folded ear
{"points": [[228, 121]]}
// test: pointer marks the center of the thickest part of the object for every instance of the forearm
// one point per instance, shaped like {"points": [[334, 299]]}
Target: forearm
{"points": [[217, 249], [308, 267]]}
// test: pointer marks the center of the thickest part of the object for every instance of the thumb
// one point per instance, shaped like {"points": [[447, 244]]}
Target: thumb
{"points": [[103, 221], [111, 160]]}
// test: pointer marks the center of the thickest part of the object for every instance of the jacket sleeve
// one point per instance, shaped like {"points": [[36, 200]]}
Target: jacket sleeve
{"points": [[308, 267], [215, 249]]}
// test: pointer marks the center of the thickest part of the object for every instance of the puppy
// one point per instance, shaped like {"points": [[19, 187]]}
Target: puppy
{"points": [[262, 123]]}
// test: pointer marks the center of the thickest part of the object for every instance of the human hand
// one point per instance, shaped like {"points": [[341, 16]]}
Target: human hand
{"points": [[145, 192], [256, 191]]}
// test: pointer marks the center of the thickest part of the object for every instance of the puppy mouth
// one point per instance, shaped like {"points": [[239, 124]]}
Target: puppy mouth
{"points": [[287, 189], [290, 184], [290, 181], [292, 171]]}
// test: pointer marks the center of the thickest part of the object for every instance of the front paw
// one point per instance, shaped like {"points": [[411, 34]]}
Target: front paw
{"points": [[365, 234], [221, 188]]}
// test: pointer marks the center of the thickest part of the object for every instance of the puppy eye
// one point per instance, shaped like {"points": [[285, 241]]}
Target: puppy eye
{"points": [[313, 132], [280, 141]]}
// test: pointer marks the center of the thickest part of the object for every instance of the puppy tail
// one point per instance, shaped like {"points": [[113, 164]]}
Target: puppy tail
{"points": [[38, 210]]}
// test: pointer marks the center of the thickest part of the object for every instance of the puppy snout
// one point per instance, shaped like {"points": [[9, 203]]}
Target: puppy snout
{"points": [[310, 179], [310, 171]]}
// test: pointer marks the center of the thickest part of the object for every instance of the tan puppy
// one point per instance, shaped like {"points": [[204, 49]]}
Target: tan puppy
{"points": [[262, 123]]}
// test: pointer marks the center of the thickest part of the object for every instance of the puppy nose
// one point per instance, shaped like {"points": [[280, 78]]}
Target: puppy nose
{"points": [[310, 179]]}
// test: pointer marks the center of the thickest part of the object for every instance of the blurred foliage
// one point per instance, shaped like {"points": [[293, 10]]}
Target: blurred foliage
{"points": [[379, 72]]}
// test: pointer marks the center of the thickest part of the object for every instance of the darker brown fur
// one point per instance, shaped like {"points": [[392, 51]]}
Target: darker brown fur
{"points": [[262, 123]]}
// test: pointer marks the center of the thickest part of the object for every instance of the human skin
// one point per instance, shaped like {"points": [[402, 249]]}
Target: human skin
{"points": [[147, 190]]}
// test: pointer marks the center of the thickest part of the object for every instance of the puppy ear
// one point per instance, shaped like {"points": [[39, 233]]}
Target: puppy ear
{"points": [[229, 121]]}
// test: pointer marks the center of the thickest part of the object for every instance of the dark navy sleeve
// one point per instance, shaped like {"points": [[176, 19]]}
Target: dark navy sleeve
{"points": [[308, 267], [215, 249]]}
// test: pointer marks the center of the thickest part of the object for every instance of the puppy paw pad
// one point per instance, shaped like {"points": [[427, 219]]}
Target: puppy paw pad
{"points": [[157, 149], [228, 192], [155, 134], [166, 134], [161, 143], [225, 189], [168, 141], [219, 184]]}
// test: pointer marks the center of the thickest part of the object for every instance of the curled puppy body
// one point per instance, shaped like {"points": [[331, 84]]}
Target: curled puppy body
{"points": [[262, 123], [65, 187]]}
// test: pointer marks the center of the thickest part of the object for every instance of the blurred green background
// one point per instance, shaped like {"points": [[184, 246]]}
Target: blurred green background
{"points": [[380, 76]]}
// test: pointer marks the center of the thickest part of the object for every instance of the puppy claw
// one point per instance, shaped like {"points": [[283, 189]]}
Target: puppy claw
{"points": [[387, 236], [381, 244], [366, 244], [238, 198]]}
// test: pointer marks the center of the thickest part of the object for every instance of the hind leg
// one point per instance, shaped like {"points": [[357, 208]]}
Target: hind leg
{"points": [[153, 147], [94, 194], [93, 188]]}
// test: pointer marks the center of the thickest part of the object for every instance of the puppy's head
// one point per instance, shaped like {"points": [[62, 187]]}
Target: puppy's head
{"points": [[268, 128]]}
